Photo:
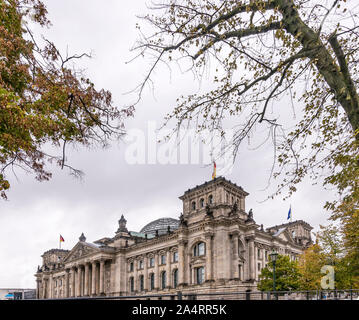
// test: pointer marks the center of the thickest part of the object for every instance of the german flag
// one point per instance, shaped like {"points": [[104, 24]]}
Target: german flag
{"points": [[214, 171], [62, 239]]}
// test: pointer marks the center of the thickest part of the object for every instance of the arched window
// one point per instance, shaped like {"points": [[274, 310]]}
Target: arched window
{"points": [[210, 199], [201, 203], [141, 282], [152, 281], [132, 284], [163, 279], [175, 278], [199, 249], [193, 205]]}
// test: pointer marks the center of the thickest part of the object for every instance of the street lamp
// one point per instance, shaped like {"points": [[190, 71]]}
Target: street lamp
{"points": [[273, 257]]}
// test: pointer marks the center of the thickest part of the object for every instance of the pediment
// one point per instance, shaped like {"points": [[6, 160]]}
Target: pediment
{"points": [[285, 235], [80, 250]]}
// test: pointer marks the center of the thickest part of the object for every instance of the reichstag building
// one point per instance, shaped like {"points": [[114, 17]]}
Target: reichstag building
{"points": [[214, 246]]}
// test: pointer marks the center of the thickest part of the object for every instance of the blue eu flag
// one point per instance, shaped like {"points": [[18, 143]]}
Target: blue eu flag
{"points": [[289, 213]]}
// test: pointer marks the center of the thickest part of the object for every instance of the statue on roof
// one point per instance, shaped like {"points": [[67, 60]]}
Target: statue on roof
{"points": [[183, 222], [82, 237], [209, 212], [234, 209], [122, 225], [250, 216]]}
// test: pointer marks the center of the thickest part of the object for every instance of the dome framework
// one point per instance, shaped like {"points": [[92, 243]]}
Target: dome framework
{"points": [[161, 225]]}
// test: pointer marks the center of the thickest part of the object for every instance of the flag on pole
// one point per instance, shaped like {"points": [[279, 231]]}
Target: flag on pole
{"points": [[214, 171], [290, 213], [61, 240]]}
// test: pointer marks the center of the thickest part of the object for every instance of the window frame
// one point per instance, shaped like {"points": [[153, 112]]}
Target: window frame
{"points": [[200, 280], [197, 251]]}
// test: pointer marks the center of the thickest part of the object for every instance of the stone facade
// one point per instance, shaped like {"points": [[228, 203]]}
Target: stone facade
{"points": [[215, 246]]}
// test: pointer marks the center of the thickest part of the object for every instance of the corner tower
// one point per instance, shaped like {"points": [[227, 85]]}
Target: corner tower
{"points": [[219, 195]]}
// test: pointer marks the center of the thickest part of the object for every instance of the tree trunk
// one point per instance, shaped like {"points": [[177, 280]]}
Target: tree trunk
{"points": [[337, 78]]}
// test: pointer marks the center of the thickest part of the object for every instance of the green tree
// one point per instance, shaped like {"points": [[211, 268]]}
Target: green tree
{"points": [[309, 265], [335, 252], [43, 99], [286, 274], [263, 51]]}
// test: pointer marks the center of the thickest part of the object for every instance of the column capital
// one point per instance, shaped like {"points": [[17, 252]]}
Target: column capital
{"points": [[208, 234], [250, 237], [182, 242], [234, 233]]}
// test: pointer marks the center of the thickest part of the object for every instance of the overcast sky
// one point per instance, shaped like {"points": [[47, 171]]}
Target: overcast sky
{"points": [[37, 213]]}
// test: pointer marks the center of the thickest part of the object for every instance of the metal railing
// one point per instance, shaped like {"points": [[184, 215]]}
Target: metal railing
{"points": [[349, 294]]}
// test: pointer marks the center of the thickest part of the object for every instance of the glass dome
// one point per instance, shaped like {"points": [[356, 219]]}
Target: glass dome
{"points": [[161, 225]]}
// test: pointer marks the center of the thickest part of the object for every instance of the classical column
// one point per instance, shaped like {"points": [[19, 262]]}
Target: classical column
{"points": [[236, 274], [157, 274], [37, 289], [222, 253], [209, 264], [86, 289], [181, 262], [102, 275], [145, 281], [51, 286], [252, 269], [78, 281], [44, 287], [63, 285], [67, 283], [73, 285], [135, 275], [93, 278], [193, 276], [168, 269]]}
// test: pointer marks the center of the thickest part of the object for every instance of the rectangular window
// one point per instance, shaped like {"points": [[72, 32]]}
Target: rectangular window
{"points": [[163, 259], [240, 272], [175, 278], [266, 255], [200, 275], [259, 267], [259, 253], [175, 256], [152, 281], [131, 266], [141, 283], [140, 264], [152, 262]]}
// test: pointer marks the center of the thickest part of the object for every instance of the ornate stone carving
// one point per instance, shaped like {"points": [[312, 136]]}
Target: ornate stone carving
{"points": [[81, 251]]}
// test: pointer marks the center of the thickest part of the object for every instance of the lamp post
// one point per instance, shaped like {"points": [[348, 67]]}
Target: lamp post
{"points": [[273, 257]]}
